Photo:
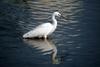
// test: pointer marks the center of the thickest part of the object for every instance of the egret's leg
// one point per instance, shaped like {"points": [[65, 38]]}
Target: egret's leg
{"points": [[45, 36]]}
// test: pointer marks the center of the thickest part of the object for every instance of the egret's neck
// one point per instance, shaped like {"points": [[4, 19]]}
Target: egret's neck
{"points": [[54, 20]]}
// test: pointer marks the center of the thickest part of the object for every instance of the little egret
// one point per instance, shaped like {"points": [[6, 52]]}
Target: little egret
{"points": [[43, 30]]}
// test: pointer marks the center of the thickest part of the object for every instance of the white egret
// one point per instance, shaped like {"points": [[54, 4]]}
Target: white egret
{"points": [[45, 29]]}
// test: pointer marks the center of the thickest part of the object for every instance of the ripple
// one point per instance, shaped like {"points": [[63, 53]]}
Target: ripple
{"points": [[70, 42], [74, 35]]}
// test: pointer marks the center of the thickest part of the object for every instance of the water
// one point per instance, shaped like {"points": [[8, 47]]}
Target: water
{"points": [[75, 43]]}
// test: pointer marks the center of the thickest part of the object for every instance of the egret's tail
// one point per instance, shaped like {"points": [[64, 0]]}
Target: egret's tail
{"points": [[30, 34], [25, 36]]}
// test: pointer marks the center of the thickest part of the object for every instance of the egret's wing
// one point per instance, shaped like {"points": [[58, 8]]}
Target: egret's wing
{"points": [[44, 25], [38, 31]]}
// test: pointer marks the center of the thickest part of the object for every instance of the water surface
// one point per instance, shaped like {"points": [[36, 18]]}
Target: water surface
{"points": [[75, 43]]}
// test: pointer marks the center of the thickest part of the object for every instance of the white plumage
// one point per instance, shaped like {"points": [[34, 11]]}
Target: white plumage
{"points": [[43, 30]]}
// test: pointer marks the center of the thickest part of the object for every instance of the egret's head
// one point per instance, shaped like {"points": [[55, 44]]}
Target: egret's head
{"points": [[57, 14]]}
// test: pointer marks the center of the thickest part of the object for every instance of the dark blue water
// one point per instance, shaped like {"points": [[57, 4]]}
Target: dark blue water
{"points": [[75, 43]]}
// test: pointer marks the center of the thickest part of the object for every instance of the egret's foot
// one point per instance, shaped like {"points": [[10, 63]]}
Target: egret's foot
{"points": [[45, 37]]}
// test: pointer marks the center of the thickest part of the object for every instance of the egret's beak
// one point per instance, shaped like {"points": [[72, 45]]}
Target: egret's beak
{"points": [[64, 17]]}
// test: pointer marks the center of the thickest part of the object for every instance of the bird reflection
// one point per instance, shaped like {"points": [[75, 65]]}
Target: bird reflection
{"points": [[45, 47]]}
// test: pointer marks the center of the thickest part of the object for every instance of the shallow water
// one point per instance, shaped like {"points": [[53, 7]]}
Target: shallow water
{"points": [[75, 43]]}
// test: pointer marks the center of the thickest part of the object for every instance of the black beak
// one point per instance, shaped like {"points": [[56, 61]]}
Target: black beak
{"points": [[64, 17]]}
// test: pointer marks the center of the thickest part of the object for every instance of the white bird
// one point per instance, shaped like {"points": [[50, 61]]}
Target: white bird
{"points": [[45, 29]]}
